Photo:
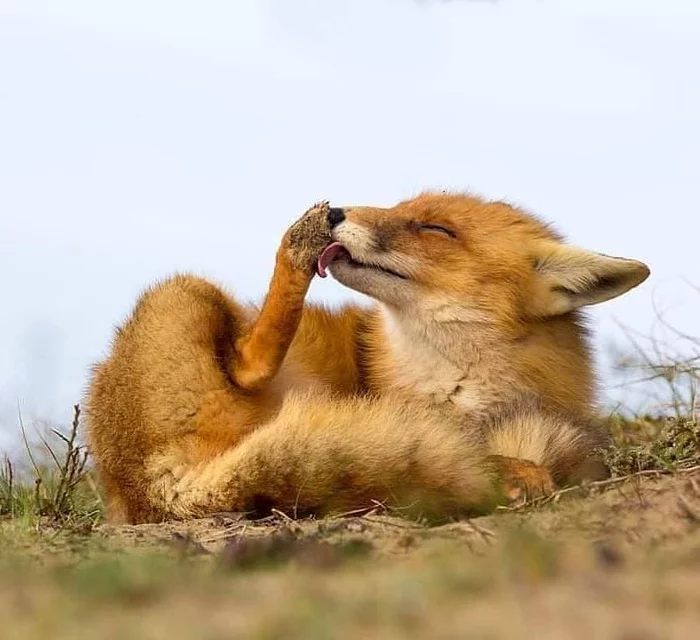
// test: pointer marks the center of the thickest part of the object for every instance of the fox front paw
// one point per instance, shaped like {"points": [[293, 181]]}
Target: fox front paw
{"points": [[308, 237], [522, 480]]}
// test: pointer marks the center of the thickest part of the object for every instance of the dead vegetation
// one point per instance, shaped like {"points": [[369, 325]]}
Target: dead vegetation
{"points": [[667, 362], [60, 490]]}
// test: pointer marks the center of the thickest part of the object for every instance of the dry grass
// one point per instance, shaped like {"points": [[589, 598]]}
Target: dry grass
{"points": [[60, 490], [667, 362]]}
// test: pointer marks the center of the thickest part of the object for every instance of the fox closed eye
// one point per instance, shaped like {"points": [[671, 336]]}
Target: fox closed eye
{"points": [[437, 228]]}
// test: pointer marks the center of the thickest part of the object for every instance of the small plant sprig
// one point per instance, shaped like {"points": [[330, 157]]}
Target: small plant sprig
{"points": [[61, 492]]}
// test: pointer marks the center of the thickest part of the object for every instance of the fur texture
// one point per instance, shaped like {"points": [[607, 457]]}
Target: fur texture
{"points": [[468, 382]]}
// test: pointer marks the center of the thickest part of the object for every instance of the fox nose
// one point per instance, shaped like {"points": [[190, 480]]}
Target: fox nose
{"points": [[335, 216]]}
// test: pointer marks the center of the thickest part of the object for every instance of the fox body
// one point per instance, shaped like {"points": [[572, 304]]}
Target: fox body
{"points": [[468, 382]]}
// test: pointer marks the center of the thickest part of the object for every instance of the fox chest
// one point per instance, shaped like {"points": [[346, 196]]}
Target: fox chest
{"points": [[423, 371]]}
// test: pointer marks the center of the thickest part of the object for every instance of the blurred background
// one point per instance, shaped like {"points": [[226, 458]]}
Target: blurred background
{"points": [[143, 137]]}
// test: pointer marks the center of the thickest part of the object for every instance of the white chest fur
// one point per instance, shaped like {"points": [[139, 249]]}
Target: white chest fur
{"points": [[436, 363]]}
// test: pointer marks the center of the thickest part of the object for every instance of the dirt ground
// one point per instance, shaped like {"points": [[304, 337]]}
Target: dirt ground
{"points": [[622, 563]]}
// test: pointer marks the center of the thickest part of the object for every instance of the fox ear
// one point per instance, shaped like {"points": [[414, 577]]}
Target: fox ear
{"points": [[567, 278]]}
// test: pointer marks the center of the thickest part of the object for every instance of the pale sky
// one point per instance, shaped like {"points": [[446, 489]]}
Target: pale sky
{"points": [[141, 137]]}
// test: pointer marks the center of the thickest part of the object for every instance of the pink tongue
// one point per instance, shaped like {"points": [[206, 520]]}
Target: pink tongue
{"points": [[329, 254]]}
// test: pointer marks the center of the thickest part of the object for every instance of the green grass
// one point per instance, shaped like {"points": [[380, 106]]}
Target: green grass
{"points": [[59, 489]]}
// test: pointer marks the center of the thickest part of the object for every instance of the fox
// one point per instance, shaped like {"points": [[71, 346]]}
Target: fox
{"points": [[466, 383]]}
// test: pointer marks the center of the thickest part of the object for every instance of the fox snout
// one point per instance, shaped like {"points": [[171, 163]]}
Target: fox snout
{"points": [[359, 236]]}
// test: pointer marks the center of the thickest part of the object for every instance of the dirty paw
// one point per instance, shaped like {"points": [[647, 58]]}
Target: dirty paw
{"points": [[308, 237]]}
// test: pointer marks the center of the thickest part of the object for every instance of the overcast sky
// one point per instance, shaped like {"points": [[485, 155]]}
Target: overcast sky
{"points": [[141, 137]]}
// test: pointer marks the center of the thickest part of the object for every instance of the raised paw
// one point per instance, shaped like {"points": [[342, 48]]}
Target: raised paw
{"points": [[308, 237], [522, 480]]}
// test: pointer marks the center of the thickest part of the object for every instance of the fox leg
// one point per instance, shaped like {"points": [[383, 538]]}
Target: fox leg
{"points": [[191, 372], [537, 449], [522, 480], [326, 454], [261, 350]]}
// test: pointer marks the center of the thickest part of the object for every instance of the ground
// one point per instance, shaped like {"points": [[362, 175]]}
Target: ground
{"points": [[619, 560]]}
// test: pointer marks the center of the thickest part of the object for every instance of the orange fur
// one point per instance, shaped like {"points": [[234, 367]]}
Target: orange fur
{"points": [[469, 379]]}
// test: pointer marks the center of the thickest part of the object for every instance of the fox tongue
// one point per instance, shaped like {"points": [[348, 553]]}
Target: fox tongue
{"points": [[329, 254]]}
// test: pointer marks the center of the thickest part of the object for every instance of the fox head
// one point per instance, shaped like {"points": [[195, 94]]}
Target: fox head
{"points": [[460, 257]]}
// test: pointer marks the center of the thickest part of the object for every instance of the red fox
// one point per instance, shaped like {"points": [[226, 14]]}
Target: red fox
{"points": [[468, 382]]}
